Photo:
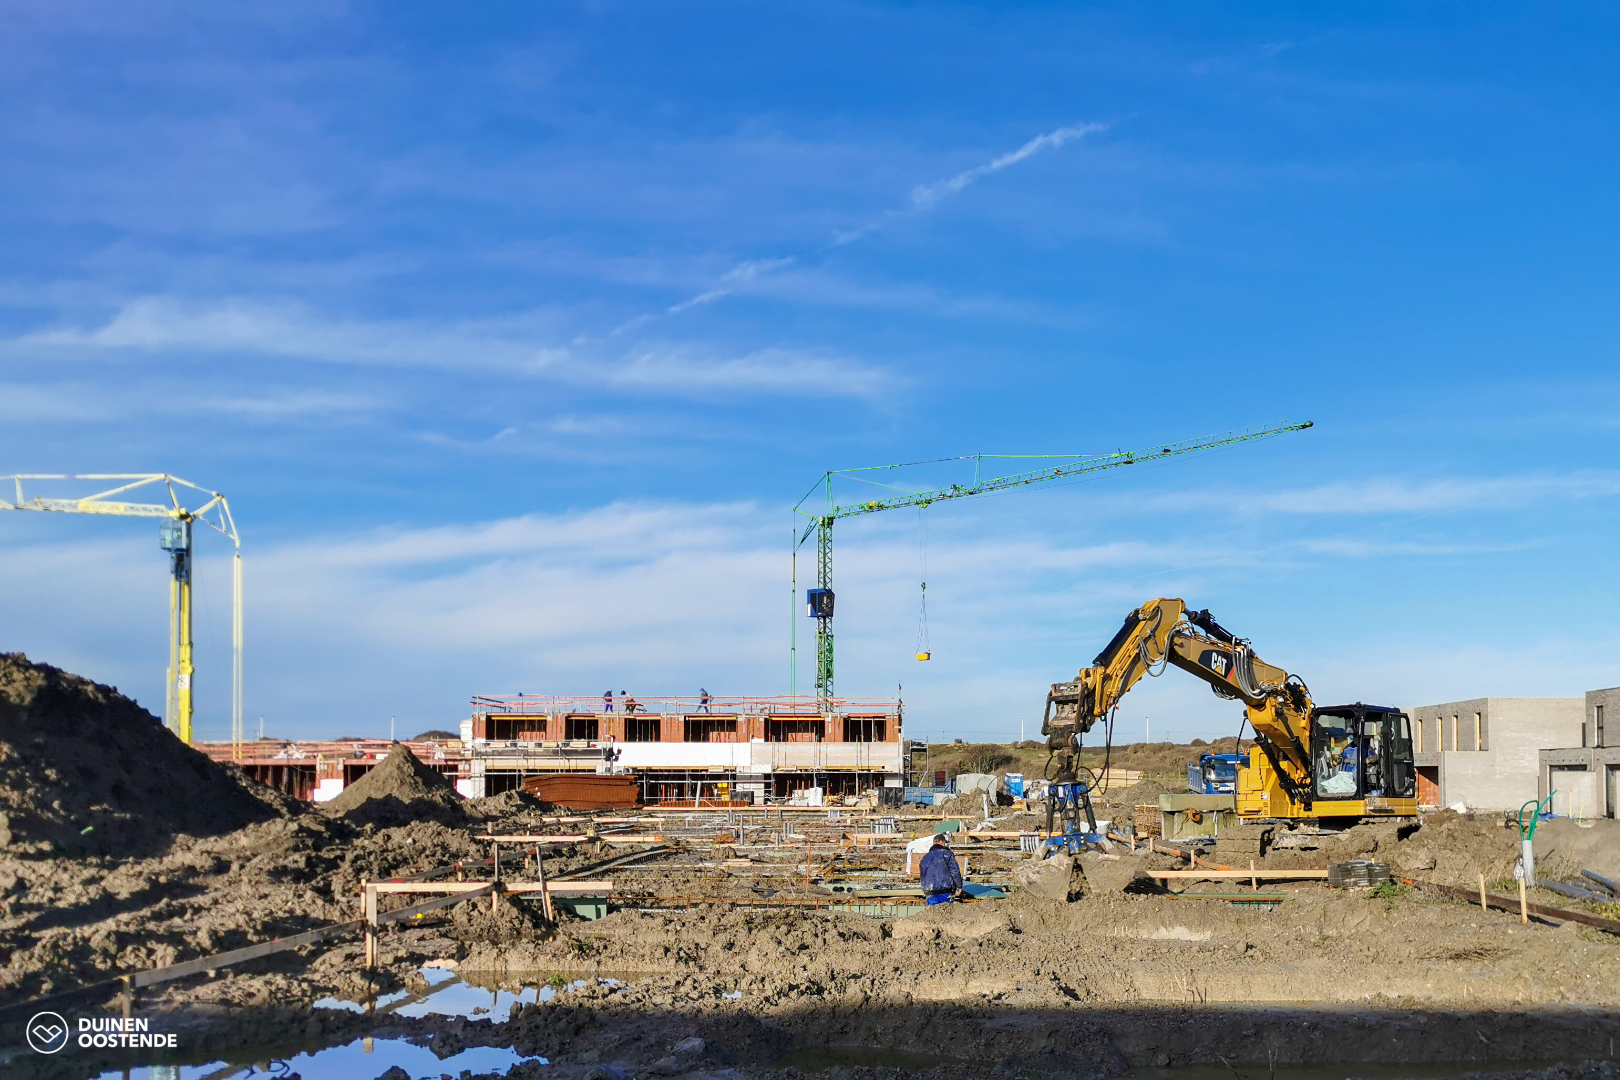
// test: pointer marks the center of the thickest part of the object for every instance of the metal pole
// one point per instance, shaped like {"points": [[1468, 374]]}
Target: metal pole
{"points": [[236, 654]]}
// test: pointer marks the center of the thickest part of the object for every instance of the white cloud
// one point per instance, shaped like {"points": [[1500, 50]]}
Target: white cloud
{"points": [[1377, 495], [661, 597], [160, 325], [88, 401]]}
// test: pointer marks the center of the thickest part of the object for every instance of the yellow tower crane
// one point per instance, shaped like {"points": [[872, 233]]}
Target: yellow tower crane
{"points": [[174, 535]]}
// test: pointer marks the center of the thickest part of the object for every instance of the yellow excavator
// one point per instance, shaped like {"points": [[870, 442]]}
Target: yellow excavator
{"points": [[1328, 764]]}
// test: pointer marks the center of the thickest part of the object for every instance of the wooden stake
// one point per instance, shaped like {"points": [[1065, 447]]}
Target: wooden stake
{"points": [[545, 893], [1482, 904], [370, 900], [1254, 882], [1524, 903]]}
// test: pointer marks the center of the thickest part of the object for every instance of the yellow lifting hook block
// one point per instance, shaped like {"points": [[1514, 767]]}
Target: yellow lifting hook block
{"points": [[925, 656]]}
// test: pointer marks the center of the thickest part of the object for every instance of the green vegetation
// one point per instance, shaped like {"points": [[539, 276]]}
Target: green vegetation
{"points": [[1161, 761]]}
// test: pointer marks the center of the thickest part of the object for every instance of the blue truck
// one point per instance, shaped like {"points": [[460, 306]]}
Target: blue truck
{"points": [[1214, 774]]}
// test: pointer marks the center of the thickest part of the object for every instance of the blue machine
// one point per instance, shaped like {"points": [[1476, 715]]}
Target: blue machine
{"points": [[1069, 805], [1214, 774]]}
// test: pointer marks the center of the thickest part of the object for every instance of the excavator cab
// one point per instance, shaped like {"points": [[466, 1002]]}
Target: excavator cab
{"points": [[1361, 752]]}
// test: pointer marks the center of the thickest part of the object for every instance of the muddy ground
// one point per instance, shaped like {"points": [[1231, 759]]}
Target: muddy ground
{"points": [[1111, 976], [1106, 983]]}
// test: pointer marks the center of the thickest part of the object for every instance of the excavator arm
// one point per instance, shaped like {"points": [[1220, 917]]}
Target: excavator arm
{"points": [[1164, 632]]}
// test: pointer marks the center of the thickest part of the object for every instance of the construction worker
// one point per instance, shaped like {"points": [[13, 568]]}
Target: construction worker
{"points": [[941, 877], [703, 700], [607, 702]]}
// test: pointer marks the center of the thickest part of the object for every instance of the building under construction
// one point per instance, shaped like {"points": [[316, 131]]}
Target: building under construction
{"points": [[758, 750], [699, 750]]}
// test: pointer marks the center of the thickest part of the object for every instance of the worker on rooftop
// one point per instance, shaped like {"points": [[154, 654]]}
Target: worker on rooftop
{"points": [[941, 877], [607, 701], [703, 700]]}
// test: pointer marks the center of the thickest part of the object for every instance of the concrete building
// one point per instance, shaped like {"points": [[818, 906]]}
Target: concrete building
{"points": [[1585, 780], [1486, 752]]}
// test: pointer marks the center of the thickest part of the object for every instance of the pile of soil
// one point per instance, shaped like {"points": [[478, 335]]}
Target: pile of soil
{"points": [[1144, 793], [86, 771], [1565, 847], [1454, 849], [397, 792]]}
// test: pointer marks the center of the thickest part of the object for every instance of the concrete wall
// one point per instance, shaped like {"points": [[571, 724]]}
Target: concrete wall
{"points": [[1584, 781], [1608, 733], [1493, 762]]}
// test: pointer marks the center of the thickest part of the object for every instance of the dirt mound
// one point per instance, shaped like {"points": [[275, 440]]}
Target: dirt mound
{"points": [[86, 771], [1565, 847], [506, 804], [1144, 793], [397, 792], [1454, 849]]}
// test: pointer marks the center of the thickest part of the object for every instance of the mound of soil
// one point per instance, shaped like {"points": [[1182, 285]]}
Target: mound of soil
{"points": [[86, 771], [397, 792], [1454, 849], [1144, 793]]}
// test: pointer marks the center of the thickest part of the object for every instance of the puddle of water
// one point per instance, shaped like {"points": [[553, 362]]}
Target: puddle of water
{"points": [[341, 1063], [449, 995], [813, 1059], [1417, 1070]]}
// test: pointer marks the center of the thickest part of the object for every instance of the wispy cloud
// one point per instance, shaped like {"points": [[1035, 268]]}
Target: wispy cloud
{"points": [[1392, 495], [159, 325], [927, 196], [86, 401], [924, 197]]}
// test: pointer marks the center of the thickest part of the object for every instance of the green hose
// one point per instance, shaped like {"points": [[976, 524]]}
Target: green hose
{"points": [[1528, 832]]}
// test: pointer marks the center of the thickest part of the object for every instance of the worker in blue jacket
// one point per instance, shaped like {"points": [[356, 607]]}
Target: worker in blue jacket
{"points": [[941, 877]]}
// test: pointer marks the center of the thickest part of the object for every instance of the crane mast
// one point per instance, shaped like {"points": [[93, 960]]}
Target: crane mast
{"points": [[820, 600]]}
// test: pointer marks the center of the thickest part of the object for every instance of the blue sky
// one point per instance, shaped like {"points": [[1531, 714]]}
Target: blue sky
{"points": [[512, 333]]}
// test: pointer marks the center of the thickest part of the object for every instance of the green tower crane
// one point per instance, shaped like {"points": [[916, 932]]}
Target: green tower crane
{"points": [[819, 600]]}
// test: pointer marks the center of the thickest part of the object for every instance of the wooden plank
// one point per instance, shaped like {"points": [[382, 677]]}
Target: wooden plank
{"points": [[386, 917], [236, 956], [1237, 875], [1506, 903], [537, 839], [557, 888]]}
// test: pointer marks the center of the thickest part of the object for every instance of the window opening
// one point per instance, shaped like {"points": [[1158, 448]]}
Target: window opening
{"points": [[707, 729], [1336, 757], [641, 729]]}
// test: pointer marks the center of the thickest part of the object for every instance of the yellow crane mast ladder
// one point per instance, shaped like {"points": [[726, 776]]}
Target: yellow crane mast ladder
{"points": [[174, 535]]}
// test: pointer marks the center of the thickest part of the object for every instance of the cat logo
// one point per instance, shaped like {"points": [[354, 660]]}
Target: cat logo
{"points": [[1216, 661]]}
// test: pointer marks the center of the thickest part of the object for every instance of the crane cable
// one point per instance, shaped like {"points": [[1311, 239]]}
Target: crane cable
{"points": [[923, 651]]}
